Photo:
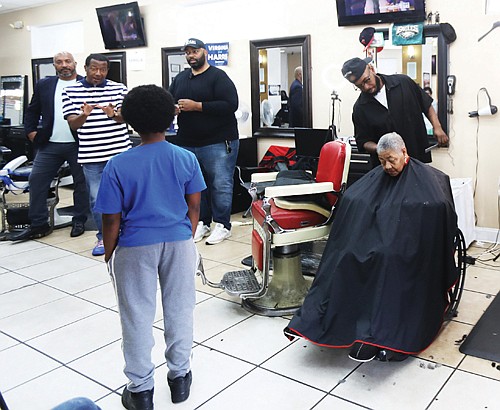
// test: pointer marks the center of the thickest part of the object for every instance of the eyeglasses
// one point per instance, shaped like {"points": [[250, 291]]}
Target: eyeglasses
{"points": [[361, 85]]}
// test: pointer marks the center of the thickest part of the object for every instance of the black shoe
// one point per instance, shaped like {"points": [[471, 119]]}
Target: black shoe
{"points": [[362, 352], [137, 401], [77, 229], [180, 387], [33, 232]]}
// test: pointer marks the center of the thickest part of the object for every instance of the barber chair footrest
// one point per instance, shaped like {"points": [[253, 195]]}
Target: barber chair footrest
{"points": [[241, 282]]}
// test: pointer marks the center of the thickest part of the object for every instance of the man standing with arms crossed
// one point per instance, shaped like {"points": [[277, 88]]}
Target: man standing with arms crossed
{"points": [[54, 144], [206, 101], [92, 108]]}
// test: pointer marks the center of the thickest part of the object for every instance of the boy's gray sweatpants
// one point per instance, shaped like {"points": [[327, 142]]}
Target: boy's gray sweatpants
{"points": [[134, 272]]}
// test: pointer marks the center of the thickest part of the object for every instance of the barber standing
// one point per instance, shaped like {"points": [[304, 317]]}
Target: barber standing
{"points": [[206, 101], [390, 103]]}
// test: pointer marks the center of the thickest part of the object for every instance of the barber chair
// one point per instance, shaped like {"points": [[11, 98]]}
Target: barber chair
{"points": [[284, 218], [14, 203], [455, 293]]}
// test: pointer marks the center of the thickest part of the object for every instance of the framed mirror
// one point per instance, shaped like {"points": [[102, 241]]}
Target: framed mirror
{"points": [[273, 71], [426, 64], [173, 61]]}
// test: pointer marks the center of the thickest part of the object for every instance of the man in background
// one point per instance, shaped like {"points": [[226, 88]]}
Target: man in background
{"points": [[54, 144], [92, 108], [296, 112], [206, 101]]}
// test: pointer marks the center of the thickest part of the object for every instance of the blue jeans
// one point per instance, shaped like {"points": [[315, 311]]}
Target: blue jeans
{"points": [[93, 173], [47, 162], [79, 403], [217, 165]]}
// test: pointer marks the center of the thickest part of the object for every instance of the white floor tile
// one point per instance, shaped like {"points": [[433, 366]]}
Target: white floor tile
{"points": [[33, 257], [80, 338], [20, 364], [264, 334], [467, 391], [103, 295], [13, 248], [47, 317], [52, 389], [411, 384], [292, 395], [81, 280], [215, 315], [11, 281], [27, 298], [65, 265], [316, 366], [331, 402], [6, 341]]}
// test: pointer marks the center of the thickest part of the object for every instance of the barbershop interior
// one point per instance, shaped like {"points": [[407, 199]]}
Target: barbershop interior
{"points": [[254, 346]]}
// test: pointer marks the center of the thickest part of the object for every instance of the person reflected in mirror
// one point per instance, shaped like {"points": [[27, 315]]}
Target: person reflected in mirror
{"points": [[390, 103], [206, 102], [54, 143], [295, 103], [428, 125], [382, 286]]}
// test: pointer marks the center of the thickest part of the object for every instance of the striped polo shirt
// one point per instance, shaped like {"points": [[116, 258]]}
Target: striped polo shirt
{"points": [[100, 137]]}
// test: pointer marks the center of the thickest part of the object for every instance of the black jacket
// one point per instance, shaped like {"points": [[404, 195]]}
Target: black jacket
{"points": [[42, 104], [407, 102]]}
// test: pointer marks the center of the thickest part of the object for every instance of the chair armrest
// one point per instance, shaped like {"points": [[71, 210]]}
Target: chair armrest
{"points": [[264, 176], [301, 189]]}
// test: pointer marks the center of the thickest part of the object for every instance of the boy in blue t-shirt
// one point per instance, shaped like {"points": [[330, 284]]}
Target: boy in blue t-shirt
{"points": [[149, 198]]}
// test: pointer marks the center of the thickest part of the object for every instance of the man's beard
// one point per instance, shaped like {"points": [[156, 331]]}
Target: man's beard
{"points": [[65, 73], [198, 63]]}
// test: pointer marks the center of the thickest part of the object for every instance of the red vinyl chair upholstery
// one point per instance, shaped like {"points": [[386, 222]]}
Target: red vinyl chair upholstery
{"points": [[281, 223]]}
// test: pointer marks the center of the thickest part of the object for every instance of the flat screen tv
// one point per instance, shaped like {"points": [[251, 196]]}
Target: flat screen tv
{"points": [[367, 12], [121, 26]]}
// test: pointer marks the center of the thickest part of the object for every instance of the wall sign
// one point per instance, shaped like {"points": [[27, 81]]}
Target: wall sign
{"points": [[218, 53]]}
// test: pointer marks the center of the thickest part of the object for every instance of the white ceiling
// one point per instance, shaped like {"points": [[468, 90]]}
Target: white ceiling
{"points": [[9, 6]]}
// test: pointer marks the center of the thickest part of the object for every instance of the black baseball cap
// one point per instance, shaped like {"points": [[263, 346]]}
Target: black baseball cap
{"points": [[193, 42], [354, 68]]}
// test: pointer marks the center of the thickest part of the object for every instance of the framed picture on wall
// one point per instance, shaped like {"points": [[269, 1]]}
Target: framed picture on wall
{"points": [[175, 68]]}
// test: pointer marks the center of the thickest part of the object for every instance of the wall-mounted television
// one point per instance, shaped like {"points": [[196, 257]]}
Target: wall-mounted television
{"points": [[121, 26], [367, 12]]}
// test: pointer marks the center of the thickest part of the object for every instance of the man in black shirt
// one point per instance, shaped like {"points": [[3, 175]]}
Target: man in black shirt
{"points": [[390, 103], [206, 101]]}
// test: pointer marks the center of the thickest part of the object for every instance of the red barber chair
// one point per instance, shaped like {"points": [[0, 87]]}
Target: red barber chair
{"points": [[284, 218]]}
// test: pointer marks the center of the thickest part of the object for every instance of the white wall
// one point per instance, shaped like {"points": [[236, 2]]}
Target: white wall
{"points": [[473, 152]]}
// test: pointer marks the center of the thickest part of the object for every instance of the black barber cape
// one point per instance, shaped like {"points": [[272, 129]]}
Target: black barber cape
{"points": [[387, 265]]}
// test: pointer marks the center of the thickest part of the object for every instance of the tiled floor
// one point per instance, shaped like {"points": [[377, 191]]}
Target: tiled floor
{"points": [[60, 338]]}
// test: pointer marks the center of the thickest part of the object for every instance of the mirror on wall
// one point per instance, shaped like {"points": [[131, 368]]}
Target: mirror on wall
{"points": [[280, 85], [426, 64], [173, 62]]}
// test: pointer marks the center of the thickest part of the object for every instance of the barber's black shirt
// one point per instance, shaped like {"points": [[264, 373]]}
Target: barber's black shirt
{"points": [[406, 102]]}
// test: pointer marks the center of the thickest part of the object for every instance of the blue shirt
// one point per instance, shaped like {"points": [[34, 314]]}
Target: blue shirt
{"points": [[147, 185]]}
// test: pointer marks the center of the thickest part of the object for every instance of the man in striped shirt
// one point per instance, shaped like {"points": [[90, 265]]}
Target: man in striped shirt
{"points": [[92, 108]]}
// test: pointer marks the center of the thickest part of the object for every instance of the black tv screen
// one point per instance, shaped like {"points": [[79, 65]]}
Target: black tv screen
{"points": [[121, 26], [358, 12]]}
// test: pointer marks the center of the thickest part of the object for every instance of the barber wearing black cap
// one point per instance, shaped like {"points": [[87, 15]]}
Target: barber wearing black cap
{"points": [[206, 102], [390, 103]]}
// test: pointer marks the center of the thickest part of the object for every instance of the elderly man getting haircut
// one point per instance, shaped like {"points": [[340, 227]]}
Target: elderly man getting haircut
{"points": [[382, 285]]}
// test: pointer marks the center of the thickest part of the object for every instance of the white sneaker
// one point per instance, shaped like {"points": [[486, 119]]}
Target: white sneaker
{"points": [[201, 232], [218, 235]]}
